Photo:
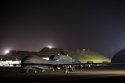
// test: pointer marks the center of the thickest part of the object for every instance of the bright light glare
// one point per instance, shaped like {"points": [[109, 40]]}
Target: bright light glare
{"points": [[49, 46], [7, 51]]}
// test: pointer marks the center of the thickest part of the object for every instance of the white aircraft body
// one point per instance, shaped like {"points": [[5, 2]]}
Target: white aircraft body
{"points": [[60, 61]]}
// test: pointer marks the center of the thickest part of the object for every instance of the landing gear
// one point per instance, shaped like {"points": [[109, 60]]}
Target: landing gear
{"points": [[43, 70], [69, 68], [72, 69], [66, 70]]}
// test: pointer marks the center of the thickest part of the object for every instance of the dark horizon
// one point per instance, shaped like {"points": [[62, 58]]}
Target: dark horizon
{"points": [[32, 25]]}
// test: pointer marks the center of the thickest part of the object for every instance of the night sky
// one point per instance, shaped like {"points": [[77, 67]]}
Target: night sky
{"points": [[32, 25]]}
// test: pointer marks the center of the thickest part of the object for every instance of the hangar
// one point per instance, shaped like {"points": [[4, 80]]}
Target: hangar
{"points": [[87, 57]]}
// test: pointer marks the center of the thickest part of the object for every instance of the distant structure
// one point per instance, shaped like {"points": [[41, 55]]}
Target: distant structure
{"points": [[89, 56], [119, 57], [13, 54]]}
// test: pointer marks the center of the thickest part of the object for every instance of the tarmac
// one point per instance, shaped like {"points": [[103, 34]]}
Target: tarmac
{"points": [[79, 76]]}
